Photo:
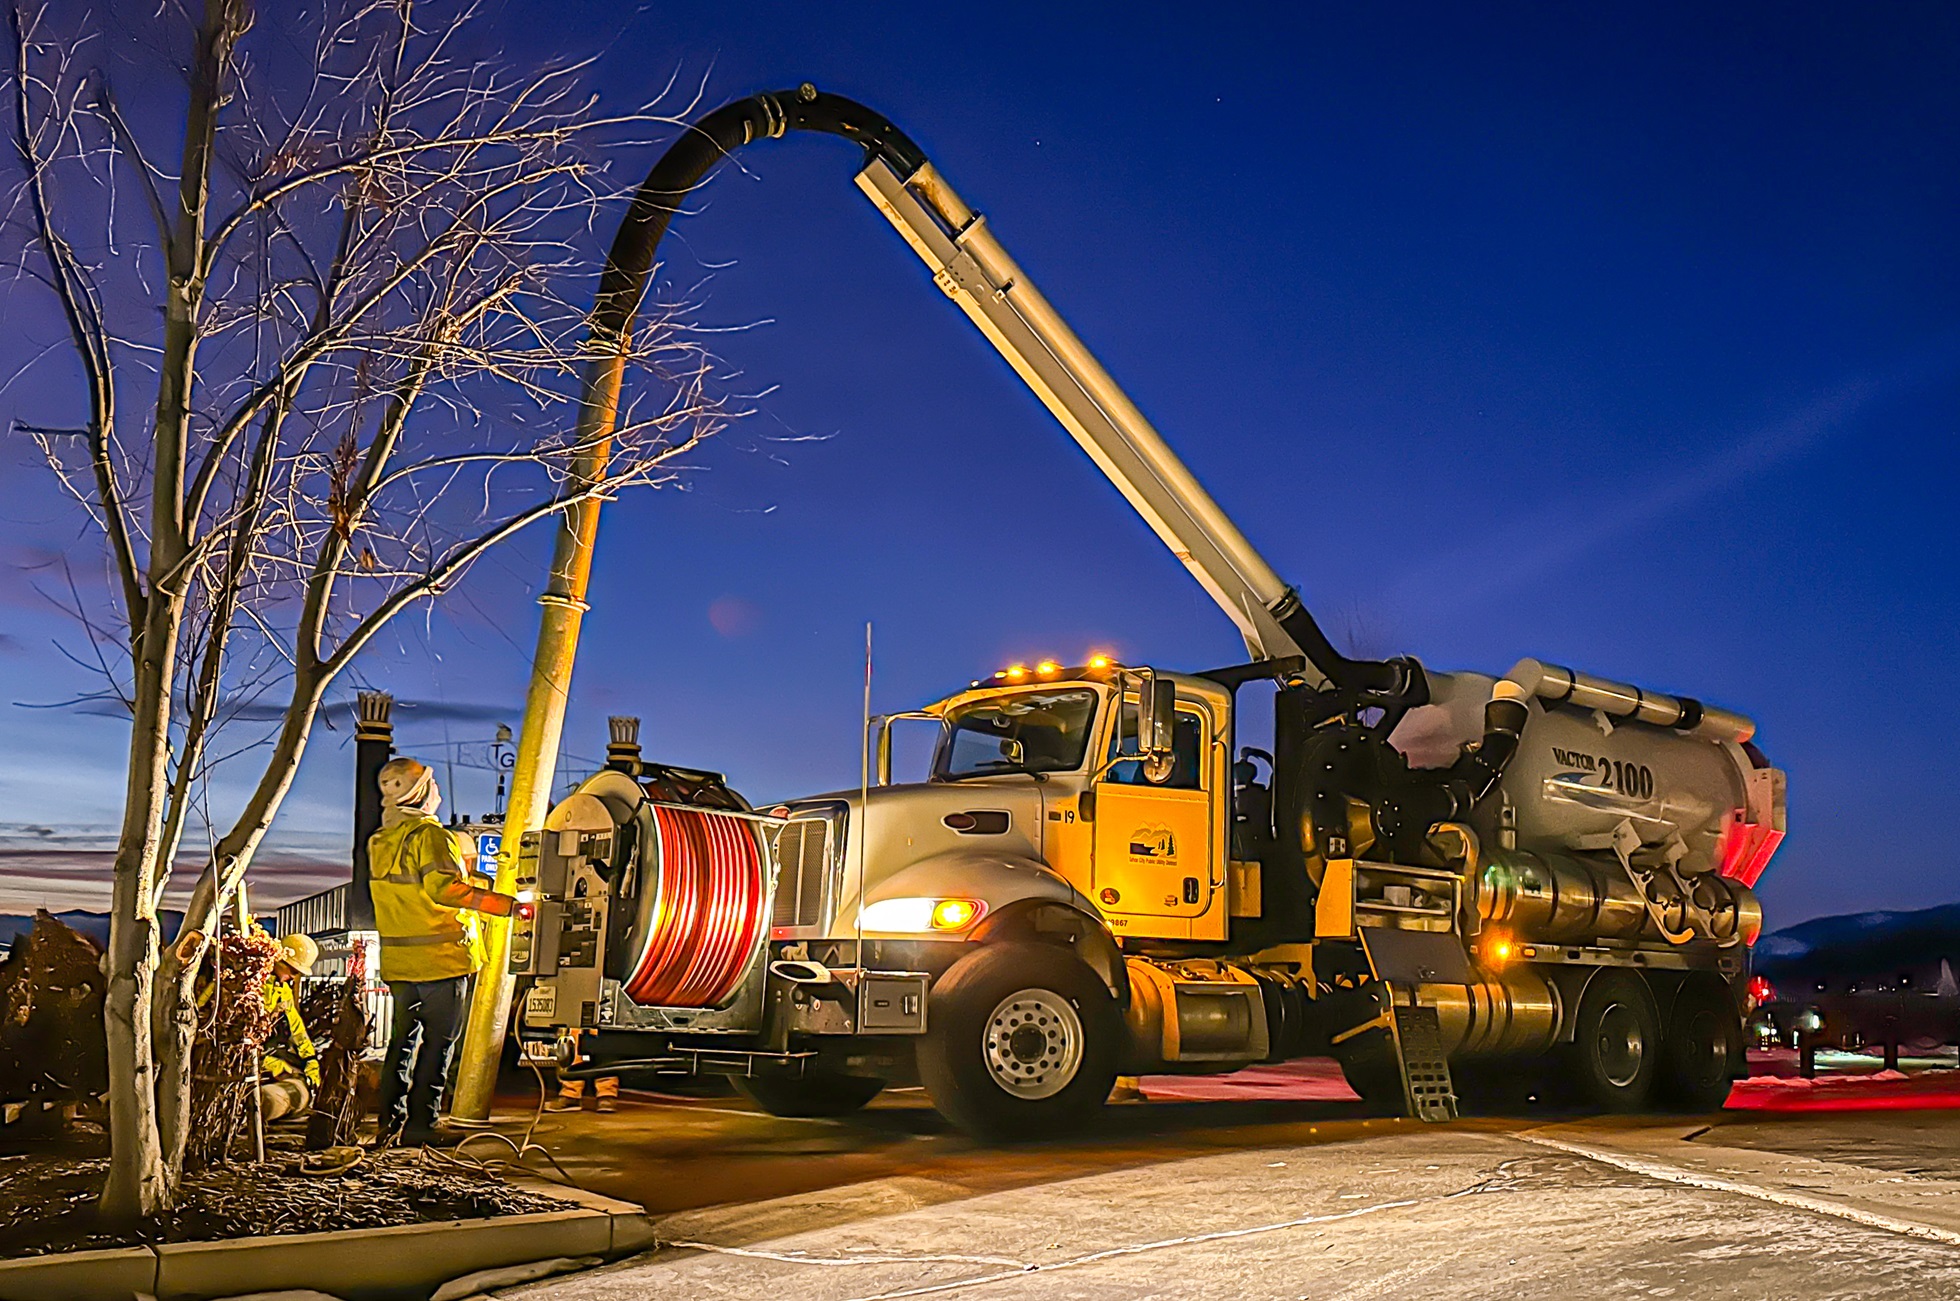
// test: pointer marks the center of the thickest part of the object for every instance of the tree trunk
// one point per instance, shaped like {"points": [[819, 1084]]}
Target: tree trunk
{"points": [[174, 1029], [139, 1182]]}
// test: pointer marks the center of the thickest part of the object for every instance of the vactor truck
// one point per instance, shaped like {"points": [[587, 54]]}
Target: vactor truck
{"points": [[1430, 875]]}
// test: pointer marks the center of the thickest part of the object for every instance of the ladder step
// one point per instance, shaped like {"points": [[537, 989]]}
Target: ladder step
{"points": [[1425, 1067]]}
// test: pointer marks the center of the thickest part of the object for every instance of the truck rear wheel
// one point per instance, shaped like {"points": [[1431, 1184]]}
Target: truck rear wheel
{"points": [[1703, 1050], [815, 1093], [1022, 1042], [1616, 1049]]}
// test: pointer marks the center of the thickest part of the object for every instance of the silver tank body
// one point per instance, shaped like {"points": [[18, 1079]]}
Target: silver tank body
{"points": [[1576, 778]]}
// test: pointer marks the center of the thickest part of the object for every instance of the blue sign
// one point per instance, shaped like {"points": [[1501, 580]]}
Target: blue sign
{"points": [[488, 844]]}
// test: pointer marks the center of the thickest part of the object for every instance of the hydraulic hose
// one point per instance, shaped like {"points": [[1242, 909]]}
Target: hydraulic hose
{"points": [[1399, 681], [1343, 761], [704, 145]]}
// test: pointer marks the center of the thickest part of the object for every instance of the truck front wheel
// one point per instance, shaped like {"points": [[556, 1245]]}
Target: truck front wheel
{"points": [[814, 1093], [1022, 1042]]}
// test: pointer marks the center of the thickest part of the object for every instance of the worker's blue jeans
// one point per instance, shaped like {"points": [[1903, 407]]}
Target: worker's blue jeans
{"points": [[428, 1020]]}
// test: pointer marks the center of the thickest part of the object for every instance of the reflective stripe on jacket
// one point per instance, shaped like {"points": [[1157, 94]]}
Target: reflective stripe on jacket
{"points": [[424, 905]]}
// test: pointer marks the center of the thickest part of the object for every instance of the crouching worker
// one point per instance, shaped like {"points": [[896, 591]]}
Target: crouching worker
{"points": [[426, 912], [291, 1063]]}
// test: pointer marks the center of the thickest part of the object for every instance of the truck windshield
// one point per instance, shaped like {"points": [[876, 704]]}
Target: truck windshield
{"points": [[1030, 731]]}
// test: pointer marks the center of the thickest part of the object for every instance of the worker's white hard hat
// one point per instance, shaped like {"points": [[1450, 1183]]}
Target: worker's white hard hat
{"points": [[299, 952]]}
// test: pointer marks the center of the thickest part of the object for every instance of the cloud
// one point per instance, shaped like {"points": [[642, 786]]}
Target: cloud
{"points": [[333, 714], [32, 576], [65, 877], [73, 866], [1540, 546], [732, 616]]}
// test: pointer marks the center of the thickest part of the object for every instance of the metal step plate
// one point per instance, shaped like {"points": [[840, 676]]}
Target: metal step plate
{"points": [[1425, 1067]]}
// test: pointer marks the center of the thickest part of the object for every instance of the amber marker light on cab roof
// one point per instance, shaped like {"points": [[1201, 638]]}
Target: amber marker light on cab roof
{"points": [[1047, 668]]}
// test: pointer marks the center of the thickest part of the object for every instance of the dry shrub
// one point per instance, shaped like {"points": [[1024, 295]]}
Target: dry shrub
{"points": [[51, 1041], [232, 1026], [339, 1026]]}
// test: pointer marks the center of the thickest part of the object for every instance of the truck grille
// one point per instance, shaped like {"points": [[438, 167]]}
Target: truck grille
{"points": [[802, 868]]}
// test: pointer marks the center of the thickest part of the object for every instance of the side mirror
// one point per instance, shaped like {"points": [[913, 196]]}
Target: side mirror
{"points": [[1157, 717]]}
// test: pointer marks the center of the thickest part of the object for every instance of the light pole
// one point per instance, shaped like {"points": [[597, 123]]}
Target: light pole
{"points": [[622, 285]]}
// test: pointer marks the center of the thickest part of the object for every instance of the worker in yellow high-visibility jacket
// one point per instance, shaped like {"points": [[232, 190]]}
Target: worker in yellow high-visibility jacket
{"points": [[297, 1055], [425, 909]]}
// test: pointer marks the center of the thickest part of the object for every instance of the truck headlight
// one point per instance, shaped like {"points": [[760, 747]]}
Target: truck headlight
{"points": [[918, 916]]}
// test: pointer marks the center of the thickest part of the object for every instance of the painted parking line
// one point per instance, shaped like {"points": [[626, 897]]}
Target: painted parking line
{"points": [[1673, 1174]]}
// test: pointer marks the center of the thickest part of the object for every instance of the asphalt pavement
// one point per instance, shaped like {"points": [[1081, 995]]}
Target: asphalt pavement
{"points": [[1274, 1197]]}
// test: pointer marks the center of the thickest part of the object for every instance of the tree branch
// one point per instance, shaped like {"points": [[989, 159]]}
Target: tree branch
{"points": [[82, 311]]}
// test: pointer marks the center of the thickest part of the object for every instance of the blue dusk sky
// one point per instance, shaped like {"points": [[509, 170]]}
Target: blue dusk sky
{"points": [[1625, 336]]}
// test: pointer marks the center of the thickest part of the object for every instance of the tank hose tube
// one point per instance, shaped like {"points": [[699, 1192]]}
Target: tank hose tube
{"points": [[1480, 769], [700, 149], [1407, 808]]}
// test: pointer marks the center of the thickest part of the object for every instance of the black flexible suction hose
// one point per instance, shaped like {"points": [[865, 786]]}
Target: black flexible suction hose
{"points": [[1396, 683], [705, 144]]}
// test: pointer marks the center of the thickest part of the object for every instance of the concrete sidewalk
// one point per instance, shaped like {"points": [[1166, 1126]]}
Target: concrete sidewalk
{"points": [[1462, 1212]]}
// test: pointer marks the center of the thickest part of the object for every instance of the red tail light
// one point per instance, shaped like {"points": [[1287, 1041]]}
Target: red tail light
{"points": [[1745, 849]]}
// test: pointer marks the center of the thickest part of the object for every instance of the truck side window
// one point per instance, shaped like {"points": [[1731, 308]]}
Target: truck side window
{"points": [[1187, 768]]}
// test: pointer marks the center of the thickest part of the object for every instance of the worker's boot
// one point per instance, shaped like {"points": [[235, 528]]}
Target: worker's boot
{"points": [[565, 1102], [608, 1104]]}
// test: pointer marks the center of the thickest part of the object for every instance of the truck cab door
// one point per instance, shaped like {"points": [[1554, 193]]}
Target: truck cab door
{"points": [[1155, 857]]}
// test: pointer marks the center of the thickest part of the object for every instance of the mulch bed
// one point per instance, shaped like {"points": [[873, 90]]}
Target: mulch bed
{"points": [[47, 1203]]}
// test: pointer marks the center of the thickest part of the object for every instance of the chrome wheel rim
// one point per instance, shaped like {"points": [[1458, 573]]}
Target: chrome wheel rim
{"points": [[1033, 1044], [1622, 1045]]}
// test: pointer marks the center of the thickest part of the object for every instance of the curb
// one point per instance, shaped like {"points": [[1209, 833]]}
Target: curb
{"points": [[400, 1260]]}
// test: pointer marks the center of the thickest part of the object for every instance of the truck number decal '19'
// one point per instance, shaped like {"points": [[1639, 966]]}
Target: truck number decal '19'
{"points": [[1633, 780]]}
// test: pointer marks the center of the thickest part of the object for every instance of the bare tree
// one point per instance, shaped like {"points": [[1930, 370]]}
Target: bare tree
{"points": [[324, 369]]}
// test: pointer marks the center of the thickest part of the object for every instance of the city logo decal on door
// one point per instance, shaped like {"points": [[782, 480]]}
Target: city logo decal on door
{"points": [[1154, 842]]}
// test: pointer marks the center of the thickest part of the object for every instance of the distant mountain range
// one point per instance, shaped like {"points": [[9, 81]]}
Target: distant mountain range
{"points": [[1876, 944], [94, 925]]}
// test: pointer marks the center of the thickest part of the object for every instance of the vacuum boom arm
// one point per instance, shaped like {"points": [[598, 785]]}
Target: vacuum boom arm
{"points": [[969, 264]]}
